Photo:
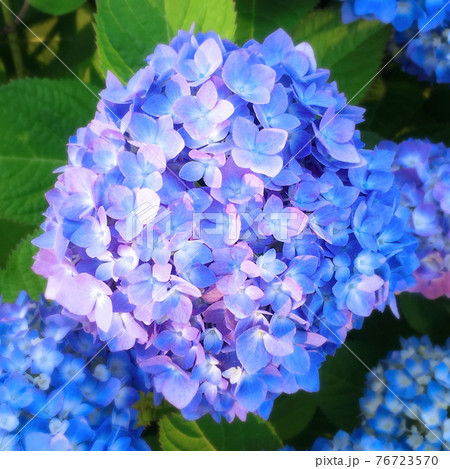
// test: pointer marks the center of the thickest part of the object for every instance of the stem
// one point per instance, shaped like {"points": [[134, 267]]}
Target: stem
{"points": [[13, 39], [23, 11]]}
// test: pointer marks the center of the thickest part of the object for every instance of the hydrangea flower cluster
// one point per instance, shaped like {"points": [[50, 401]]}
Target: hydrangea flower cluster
{"points": [[419, 374], [422, 175], [60, 389], [427, 55], [220, 216], [358, 440]]}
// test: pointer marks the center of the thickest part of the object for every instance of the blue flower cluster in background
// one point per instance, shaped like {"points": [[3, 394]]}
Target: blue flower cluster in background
{"points": [[422, 174], [220, 217], [418, 378], [428, 54], [60, 389], [359, 440]]}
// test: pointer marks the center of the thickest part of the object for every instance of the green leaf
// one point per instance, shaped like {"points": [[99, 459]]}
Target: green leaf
{"points": [[128, 31], [3, 78], [46, 113], [436, 133], [256, 19], [33, 143], [152, 439], [400, 107], [214, 15], [178, 434], [18, 275], [10, 235], [393, 109], [426, 317], [71, 38], [320, 426], [23, 183], [371, 139], [56, 7], [148, 412], [291, 413], [352, 52], [342, 377]]}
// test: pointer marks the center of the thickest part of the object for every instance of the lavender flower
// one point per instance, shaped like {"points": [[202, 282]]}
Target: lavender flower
{"points": [[422, 175], [216, 218]]}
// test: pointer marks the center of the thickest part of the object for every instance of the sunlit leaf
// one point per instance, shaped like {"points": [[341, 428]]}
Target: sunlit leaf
{"points": [[128, 31], [178, 434]]}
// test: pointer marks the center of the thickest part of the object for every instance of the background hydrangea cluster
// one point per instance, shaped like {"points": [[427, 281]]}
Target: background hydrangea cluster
{"points": [[427, 55], [60, 389], [220, 216], [422, 175], [419, 375]]}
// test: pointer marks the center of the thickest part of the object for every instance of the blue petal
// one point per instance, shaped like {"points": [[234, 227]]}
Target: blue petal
{"points": [[359, 302], [178, 389], [8, 420], [200, 276], [157, 105], [37, 441], [164, 340], [309, 381], [244, 133], [192, 171], [297, 362], [251, 392], [251, 351], [280, 326]]}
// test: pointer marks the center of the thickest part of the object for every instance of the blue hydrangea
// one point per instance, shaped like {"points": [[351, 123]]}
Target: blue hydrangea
{"points": [[427, 55], [358, 440], [422, 174], [220, 217], [59, 388], [412, 414]]}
